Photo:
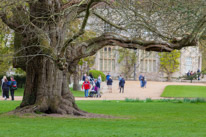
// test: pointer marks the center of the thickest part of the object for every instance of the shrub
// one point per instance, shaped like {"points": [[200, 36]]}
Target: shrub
{"points": [[132, 100], [148, 100], [96, 74]]}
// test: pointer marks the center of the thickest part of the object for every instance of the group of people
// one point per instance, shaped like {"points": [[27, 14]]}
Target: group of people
{"points": [[191, 73], [8, 85], [92, 85], [110, 81]]}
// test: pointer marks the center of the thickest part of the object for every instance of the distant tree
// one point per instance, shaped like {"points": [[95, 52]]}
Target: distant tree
{"points": [[169, 62], [6, 49], [128, 58]]}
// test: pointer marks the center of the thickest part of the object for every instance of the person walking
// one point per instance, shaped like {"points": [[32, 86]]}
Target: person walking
{"points": [[13, 87], [144, 82], [109, 84], [5, 89], [97, 87], [86, 86], [2, 81], [140, 79], [122, 82], [91, 77], [119, 78], [84, 77], [108, 76], [198, 74], [100, 79]]}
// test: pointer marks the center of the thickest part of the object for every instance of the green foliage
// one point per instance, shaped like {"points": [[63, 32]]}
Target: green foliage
{"points": [[89, 60], [19, 71], [6, 48], [169, 62], [96, 74], [133, 100]]}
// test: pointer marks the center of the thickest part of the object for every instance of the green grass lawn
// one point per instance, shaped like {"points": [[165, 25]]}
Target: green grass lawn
{"points": [[20, 92], [152, 119], [184, 91]]}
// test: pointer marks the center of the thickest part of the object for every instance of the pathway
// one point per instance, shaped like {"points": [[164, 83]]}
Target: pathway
{"points": [[133, 91]]}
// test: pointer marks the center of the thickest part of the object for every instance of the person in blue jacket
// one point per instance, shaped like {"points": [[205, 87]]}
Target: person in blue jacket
{"points": [[140, 79], [108, 76]]}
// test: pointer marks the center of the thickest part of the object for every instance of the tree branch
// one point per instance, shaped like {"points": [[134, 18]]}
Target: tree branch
{"points": [[90, 47], [107, 21], [81, 31]]}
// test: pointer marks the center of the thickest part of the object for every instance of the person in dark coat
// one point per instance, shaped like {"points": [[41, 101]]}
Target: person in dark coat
{"points": [[198, 74], [91, 76], [84, 77], [97, 87], [5, 88], [121, 83], [13, 87], [109, 84], [119, 78]]}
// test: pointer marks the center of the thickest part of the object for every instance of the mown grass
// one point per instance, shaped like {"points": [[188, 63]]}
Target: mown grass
{"points": [[184, 91], [20, 92], [145, 119]]}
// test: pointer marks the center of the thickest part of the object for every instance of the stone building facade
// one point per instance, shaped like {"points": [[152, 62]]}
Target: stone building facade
{"points": [[148, 63]]}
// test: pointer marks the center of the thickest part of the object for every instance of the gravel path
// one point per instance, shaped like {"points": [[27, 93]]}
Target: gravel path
{"points": [[132, 91]]}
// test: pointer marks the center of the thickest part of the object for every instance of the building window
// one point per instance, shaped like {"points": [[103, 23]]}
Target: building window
{"points": [[147, 61], [188, 64], [107, 60]]}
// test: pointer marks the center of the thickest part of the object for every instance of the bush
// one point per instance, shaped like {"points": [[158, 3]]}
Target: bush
{"points": [[132, 100], [96, 74]]}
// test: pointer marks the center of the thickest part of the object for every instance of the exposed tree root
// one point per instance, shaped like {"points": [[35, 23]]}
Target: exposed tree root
{"points": [[32, 111]]}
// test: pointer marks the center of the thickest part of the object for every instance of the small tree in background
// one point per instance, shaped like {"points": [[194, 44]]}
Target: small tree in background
{"points": [[129, 58], [169, 62], [6, 49]]}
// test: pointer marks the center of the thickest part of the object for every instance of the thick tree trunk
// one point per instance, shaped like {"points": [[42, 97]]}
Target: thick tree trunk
{"points": [[76, 85], [47, 90]]}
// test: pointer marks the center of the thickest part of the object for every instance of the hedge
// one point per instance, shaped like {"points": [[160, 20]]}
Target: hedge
{"points": [[96, 74]]}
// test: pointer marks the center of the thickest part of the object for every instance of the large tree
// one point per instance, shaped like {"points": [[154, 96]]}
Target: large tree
{"points": [[46, 52]]}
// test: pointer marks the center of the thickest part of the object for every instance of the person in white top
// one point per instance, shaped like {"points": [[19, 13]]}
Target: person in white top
{"points": [[99, 79], [2, 81]]}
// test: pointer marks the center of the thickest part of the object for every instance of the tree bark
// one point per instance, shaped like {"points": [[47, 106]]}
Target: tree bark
{"points": [[47, 90], [76, 85]]}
